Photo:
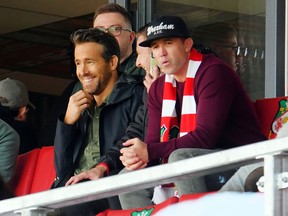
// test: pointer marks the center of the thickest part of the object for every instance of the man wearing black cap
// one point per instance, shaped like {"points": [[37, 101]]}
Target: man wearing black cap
{"points": [[14, 106], [197, 107]]}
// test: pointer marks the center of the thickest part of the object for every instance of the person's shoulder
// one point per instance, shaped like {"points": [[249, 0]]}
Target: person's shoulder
{"points": [[7, 131], [127, 83], [129, 79], [216, 64], [5, 126], [129, 66], [212, 59]]}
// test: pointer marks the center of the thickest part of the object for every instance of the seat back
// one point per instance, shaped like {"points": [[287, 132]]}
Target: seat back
{"points": [[147, 211], [45, 171], [272, 114], [24, 172]]}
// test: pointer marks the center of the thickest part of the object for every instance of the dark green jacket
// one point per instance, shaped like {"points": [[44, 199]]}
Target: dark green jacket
{"points": [[129, 67]]}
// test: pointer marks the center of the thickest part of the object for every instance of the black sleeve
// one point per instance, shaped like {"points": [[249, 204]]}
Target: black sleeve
{"points": [[135, 128]]}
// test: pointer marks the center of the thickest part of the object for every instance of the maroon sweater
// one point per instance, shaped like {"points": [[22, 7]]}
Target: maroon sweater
{"points": [[225, 115]]}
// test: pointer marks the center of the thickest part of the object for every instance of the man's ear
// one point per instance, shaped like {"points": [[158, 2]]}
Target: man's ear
{"points": [[22, 114], [114, 62], [188, 44], [132, 37]]}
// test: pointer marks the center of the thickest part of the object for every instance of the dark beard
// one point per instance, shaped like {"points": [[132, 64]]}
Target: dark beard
{"points": [[100, 85]]}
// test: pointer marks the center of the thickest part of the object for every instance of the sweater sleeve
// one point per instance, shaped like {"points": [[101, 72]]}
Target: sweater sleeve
{"points": [[215, 88]]}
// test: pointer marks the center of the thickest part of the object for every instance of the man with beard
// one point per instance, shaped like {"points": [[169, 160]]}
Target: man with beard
{"points": [[116, 20], [96, 117]]}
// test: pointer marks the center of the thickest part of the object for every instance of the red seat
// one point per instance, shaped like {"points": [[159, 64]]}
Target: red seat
{"points": [[272, 114], [24, 173], [45, 172], [149, 210], [34, 171]]}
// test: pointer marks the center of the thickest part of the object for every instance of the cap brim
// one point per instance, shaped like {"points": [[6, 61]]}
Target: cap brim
{"points": [[147, 43], [31, 105]]}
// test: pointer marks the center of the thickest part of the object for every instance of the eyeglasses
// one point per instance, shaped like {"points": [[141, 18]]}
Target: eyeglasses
{"points": [[238, 50], [242, 51], [256, 53], [114, 30], [247, 51]]}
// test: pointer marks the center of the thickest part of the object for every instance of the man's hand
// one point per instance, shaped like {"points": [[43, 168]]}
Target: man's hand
{"points": [[92, 174], [150, 77], [135, 155], [77, 103]]}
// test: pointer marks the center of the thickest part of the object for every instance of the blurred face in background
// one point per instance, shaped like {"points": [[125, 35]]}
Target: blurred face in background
{"points": [[145, 61], [143, 54], [125, 36], [227, 50], [240, 57]]}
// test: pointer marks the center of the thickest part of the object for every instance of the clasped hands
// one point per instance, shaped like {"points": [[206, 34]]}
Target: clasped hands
{"points": [[134, 154]]}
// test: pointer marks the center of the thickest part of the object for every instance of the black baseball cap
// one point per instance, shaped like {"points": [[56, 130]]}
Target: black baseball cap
{"points": [[164, 27]]}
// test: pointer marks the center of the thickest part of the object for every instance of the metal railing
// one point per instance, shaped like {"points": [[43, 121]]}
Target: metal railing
{"points": [[271, 151]]}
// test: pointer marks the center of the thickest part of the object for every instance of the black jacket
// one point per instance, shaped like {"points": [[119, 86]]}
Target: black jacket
{"points": [[129, 67], [114, 119], [137, 127], [25, 130]]}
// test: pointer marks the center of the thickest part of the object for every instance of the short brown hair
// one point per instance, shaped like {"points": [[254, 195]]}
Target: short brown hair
{"points": [[106, 40], [114, 8]]}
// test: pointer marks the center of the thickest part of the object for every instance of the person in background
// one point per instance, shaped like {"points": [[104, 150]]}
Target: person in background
{"points": [[9, 148], [14, 106], [199, 91], [242, 54], [137, 127], [145, 60], [117, 20], [221, 38], [96, 117]]}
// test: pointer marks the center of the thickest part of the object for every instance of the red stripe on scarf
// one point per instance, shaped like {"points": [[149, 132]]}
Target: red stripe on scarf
{"points": [[195, 55], [188, 121], [170, 92], [189, 90]]}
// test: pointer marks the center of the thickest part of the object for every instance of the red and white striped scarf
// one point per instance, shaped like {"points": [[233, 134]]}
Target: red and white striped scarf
{"points": [[169, 121]]}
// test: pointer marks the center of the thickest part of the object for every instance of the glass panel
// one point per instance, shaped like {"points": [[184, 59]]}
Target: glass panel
{"points": [[222, 26]]}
